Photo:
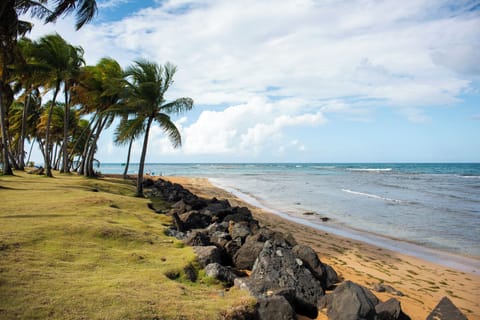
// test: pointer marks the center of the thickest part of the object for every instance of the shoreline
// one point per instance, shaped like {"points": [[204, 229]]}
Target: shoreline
{"points": [[464, 263], [422, 283]]}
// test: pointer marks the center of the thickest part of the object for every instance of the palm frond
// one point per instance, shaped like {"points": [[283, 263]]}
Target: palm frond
{"points": [[170, 129], [128, 129], [178, 106], [85, 11]]}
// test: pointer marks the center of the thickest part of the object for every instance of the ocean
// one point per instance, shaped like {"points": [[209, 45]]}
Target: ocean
{"points": [[429, 208]]}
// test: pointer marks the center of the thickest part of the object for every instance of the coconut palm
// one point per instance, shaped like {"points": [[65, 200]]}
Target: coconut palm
{"points": [[61, 63], [145, 101], [99, 92], [11, 28]]}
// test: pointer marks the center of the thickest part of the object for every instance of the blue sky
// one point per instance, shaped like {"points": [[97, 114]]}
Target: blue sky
{"points": [[304, 80]]}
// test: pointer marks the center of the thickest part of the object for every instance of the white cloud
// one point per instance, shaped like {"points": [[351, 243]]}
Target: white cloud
{"points": [[347, 58]]}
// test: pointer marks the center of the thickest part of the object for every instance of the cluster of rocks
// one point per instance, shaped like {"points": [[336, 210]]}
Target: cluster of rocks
{"points": [[287, 278]]}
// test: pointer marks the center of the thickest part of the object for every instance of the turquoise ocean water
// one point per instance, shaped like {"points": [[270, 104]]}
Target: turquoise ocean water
{"points": [[432, 206]]}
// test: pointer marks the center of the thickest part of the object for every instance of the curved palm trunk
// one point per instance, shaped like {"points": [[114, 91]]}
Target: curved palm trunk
{"points": [[71, 155], [48, 167], [89, 171], [83, 163], [125, 172], [65, 131], [142, 159]]}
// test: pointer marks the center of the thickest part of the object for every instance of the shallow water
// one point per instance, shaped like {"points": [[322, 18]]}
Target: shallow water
{"points": [[435, 206]]}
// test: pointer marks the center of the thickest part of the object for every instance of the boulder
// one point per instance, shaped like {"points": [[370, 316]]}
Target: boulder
{"points": [[172, 232], [239, 230], [350, 301], [275, 308], [444, 310], [219, 238], [390, 310], [278, 268], [311, 260], [245, 257], [239, 214], [207, 255], [219, 272], [195, 220], [197, 238], [231, 249], [331, 277]]}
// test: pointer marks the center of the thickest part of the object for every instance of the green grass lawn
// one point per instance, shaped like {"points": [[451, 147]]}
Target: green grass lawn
{"points": [[77, 248]]}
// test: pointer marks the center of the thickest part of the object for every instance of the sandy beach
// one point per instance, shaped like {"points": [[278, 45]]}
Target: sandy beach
{"points": [[422, 283]]}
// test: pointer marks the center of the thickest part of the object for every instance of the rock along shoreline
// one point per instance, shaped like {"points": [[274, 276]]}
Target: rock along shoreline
{"points": [[286, 278]]}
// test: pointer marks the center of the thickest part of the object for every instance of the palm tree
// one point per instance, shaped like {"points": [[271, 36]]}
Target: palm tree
{"points": [[145, 100], [11, 28], [60, 63], [98, 91], [126, 133]]}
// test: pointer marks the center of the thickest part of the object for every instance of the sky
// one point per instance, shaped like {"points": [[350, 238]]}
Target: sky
{"points": [[301, 81]]}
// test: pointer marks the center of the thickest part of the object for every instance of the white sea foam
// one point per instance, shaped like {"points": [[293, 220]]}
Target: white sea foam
{"points": [[370, 169], [374, 196]]}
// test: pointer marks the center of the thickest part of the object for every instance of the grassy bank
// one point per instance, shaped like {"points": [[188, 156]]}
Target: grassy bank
{"points": [[76, 248]]}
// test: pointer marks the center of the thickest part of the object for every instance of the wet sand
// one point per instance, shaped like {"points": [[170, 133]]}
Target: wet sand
{"points": [[422, 283]]}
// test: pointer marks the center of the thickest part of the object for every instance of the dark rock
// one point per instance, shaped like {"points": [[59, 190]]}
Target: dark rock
{"points": [[190, 273], [381, 287], [331, 278], [277, 268], [171, 232], [446, 310], [147, 183], [219, 272], [218, 227], [197, 238], [207, 255], [181, 207], [308, 213], [275, 308], [388, 310], [172, 274], [195, 220], [239, 230], [245, 257], [231, 249], [350, 301], [239, 214], [311, 260], [178, 223], [324, 219], [220, 239]]}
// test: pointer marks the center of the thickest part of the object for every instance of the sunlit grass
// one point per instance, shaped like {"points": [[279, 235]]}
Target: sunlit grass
{"points": [[77, 248]]}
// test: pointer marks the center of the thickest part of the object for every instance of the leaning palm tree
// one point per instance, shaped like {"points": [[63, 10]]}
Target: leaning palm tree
{"points": [[11, 27], [125, 133], [98, 92], [60, 62], [145, 100]]}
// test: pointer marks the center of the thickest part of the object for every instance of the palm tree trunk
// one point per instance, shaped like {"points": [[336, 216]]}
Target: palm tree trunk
{"points": [[83, 163], [142, 159], [21, 145], [65, 130], [90, 172], [7, 169], [30, 152], [71, 154], [48, 168], [125, 172]]}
